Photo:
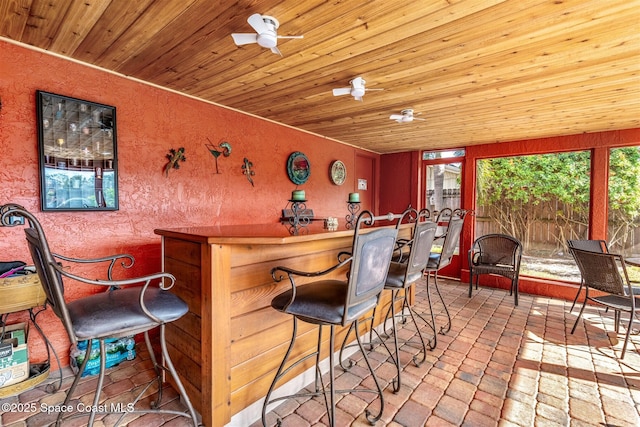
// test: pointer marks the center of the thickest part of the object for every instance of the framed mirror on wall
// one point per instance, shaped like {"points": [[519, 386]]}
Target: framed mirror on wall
{"points": [[77, 154]]}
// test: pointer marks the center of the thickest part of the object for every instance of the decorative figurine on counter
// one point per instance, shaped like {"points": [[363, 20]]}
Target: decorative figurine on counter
{"points": [[174, 157], [246, 169], [223, 148]]}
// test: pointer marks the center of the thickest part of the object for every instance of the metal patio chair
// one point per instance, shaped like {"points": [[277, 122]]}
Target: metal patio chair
{"points": [[496, 254], [606, 273]]}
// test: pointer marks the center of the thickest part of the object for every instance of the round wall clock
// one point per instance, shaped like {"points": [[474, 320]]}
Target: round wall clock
{"points": [[338, 172], [298, 168]]}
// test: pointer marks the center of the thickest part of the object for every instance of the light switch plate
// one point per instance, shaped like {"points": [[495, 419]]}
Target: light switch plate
{"points": [[362, 184]]}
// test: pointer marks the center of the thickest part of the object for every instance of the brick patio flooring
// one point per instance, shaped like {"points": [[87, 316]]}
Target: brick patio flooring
{"points": [[499, 365]]}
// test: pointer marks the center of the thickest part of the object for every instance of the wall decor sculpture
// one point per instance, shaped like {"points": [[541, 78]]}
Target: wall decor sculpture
{"points": [[298, 168], [223, 148], [247, 169], [174, 158]]}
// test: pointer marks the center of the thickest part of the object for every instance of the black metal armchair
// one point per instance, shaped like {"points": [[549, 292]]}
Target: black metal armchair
{"points": [[120, 310], [333, 302], [607, 273], [498, 254]]}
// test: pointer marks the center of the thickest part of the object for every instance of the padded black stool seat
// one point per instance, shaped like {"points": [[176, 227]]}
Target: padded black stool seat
{"points": [[98, 315], [322, 303]]}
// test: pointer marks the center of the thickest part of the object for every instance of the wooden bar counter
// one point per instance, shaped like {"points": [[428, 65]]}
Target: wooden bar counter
{"points": [[227, 348]]}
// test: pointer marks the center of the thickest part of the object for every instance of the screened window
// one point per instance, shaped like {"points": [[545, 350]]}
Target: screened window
{"points": [[542, 200], [623, 231]]}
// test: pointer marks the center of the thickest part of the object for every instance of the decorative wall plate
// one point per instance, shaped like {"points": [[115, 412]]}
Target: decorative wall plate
{"points": [[298, 168], [338, 172]]}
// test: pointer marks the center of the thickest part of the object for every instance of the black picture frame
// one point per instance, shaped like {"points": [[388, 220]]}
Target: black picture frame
{"points": [[78, 159]]}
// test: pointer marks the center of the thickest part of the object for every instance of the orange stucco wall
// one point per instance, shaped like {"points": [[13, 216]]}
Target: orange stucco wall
{"points": [[150, 121]]}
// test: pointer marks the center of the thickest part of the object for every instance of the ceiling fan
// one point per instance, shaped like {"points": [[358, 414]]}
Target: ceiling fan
{"points": [[405, 116], [265, 35], [356, 90]]}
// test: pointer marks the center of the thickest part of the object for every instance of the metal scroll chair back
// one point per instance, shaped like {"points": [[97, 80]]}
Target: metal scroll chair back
{"points": [[498, 254], [606, 273], [586, 245], [330, 301], [114, 313], [423, 235], [369, 266], [450, 244], [51, 280]]}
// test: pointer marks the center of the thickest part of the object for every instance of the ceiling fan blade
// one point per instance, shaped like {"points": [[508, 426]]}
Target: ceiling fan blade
{"points": [[276, 50], [373, 89], [417, 118], [358, 98], [342, 91], [290, 37], [244, 38], [396, 117], [257, 23]]}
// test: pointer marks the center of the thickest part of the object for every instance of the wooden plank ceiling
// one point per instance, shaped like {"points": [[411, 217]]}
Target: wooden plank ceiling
{"points": [[476, 71]]}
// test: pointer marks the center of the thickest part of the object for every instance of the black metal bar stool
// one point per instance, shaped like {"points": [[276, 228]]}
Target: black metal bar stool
{"points": [[403, 273], [333, 302], [439, 260], [114, 313]]}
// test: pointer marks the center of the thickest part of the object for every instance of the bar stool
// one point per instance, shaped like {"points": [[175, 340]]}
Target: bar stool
{"points": [[437, 261], [404, 273], [120, 310], [333, 302]]}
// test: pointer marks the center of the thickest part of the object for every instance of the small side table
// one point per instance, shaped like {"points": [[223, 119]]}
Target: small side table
{"points": [[25, 293]]}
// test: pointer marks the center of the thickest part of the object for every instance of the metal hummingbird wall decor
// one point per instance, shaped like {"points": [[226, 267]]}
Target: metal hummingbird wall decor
{"points": [[223, 148]]}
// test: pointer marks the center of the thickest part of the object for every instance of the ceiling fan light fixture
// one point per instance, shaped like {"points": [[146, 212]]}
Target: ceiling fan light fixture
{"points": [[267, 40], [357, 87]]}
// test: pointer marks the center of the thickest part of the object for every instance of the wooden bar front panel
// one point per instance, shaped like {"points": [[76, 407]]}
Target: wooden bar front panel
{"points": [[227, 348]]}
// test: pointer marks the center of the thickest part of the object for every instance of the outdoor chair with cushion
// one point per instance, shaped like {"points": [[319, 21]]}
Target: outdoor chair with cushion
{"points": [[119, 309], [498, 254]]}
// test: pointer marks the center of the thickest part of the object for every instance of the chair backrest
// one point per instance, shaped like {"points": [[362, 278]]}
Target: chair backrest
{"points": [[371, 256], [451, 241], [589, 245], [43, 259], [497, 249], [601, 271], [424, 234]]}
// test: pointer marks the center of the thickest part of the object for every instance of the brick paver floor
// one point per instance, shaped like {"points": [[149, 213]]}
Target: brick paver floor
{"points": [[499, 365]]}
